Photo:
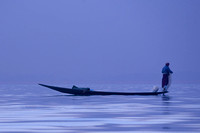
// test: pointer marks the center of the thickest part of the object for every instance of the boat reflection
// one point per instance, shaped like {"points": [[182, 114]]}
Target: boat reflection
{"points": [[166, 98]]}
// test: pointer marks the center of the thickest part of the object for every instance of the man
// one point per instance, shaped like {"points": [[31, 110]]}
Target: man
{"points": [[166, 72]]}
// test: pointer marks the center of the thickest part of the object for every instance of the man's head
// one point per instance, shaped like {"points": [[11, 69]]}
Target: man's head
{"points": [[167, 64]]}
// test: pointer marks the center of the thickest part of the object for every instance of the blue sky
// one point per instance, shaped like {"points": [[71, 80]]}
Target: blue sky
{"points": [[98, 40]]}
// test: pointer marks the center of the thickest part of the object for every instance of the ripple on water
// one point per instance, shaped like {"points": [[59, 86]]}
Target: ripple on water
{"points": [[49, 111]]}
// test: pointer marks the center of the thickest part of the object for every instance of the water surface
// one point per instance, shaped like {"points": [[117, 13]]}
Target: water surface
{"points": [[31, 108]]}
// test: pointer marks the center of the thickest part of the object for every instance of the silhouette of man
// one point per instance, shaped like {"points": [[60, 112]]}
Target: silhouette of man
{"points": [[165, 79]]}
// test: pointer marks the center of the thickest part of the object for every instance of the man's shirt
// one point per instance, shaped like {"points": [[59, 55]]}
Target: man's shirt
{"points": [[166, 70]]}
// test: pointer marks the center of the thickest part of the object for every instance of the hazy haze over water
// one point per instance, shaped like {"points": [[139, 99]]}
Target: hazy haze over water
{"points": [[98, 40]]}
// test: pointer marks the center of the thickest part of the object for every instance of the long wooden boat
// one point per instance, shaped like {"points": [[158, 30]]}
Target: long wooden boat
{"points": [[91, 92]]}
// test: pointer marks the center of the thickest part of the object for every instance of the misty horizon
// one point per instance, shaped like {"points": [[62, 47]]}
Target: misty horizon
{"points": [[98, 40]]}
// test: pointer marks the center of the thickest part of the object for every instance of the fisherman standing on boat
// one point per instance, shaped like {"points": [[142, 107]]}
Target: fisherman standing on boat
{"points": [[165, 79]]}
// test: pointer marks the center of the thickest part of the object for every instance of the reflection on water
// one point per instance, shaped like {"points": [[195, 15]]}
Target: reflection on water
{"points": [[165, 98], [36, 109]]}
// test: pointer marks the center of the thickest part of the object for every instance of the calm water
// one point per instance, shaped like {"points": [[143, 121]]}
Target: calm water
{"points": [[31, 108]]}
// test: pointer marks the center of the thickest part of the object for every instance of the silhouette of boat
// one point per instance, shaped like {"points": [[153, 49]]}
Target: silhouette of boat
{"points": [[88, 92]]}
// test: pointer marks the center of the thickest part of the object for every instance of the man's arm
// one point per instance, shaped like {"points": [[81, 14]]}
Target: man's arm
{"points": [[170, 71]]}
